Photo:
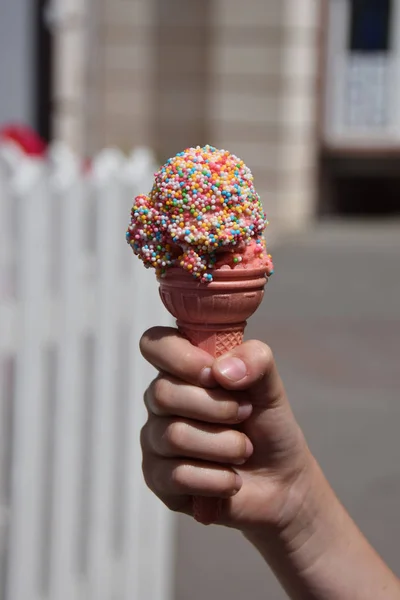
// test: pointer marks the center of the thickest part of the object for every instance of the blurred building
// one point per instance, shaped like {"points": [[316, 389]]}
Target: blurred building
{"points": [[239, 75], [359, 140], [307, 92]]}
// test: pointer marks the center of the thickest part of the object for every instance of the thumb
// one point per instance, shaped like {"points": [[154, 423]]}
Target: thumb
{"points": [[251, 367], [272, 427]]}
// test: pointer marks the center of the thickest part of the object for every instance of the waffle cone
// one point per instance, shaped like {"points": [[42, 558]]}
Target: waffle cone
{"points": [[213, 317]]}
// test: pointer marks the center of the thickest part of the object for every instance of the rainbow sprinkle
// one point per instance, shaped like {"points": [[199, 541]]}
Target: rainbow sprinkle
{"points": [[203, 203]]}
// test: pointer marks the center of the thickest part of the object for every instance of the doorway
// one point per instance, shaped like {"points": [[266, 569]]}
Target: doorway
{"points": [[361, 187]]}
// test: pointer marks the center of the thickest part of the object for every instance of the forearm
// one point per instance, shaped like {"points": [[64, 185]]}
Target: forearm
{"points": [[322, 555]]}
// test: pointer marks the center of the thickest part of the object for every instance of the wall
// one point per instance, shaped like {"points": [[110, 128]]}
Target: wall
{"points": [[263, 98], [16, 64], [298, 142], [125, 72], [170, 74], [245, 86], [73, 58]]}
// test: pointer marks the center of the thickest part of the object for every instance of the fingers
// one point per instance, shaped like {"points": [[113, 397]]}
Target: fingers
{"points": [[250, 366], [172, 438], [175, 481], [167, 396], [168, 351]]}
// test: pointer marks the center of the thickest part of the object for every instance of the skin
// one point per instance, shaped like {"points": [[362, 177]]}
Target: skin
{"points": [[224, 428]]}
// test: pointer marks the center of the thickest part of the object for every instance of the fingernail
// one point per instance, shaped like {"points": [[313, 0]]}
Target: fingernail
{"points": [[206, 377], [244, 411], [247, 453], [232, 368], [249, 448]]}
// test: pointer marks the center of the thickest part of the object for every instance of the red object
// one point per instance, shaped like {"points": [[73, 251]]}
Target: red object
{"points": [[24, 137], [87, 165], [213, 317]]}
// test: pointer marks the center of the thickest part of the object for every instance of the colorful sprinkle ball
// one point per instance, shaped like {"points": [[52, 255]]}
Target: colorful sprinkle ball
{"points": [[203, 203]]}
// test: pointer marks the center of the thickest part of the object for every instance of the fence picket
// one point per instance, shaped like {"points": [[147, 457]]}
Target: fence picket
{"points": [[5, 386], [146, 541], [108, 293], [82, 524], [69, 190], [32, 197]]}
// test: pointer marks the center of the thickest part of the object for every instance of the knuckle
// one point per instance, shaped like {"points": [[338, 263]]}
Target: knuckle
{"points": [[159, 391], [175, 435], [179, 478], [144, 436], [147, 397], [151, 335], [143, 343], [263, 353]]}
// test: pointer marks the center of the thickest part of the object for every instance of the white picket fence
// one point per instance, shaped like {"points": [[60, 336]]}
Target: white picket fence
{"points": [[76, 520]]}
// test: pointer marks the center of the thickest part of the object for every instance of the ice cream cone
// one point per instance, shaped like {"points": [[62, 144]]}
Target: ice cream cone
{"points": [[213, 317]]}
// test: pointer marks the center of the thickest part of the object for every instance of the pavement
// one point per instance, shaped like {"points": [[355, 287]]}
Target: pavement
{"points": [[332, 316]]}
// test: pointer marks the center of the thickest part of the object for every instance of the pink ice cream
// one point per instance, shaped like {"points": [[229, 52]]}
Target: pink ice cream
{"points": [[203, 213]]}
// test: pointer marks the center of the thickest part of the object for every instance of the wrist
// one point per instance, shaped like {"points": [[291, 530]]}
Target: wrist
{"points": [[321, 554], [318, 525], [309, 519]]}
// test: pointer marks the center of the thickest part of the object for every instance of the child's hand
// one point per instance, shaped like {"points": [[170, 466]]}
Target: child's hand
{"points": [[222, 428]]}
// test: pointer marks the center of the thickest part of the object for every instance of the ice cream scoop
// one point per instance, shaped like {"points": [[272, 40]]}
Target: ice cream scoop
{"points": [[203, 211]]}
